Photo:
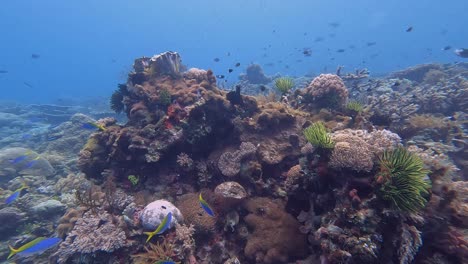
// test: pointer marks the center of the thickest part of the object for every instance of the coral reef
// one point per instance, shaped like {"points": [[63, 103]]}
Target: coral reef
{"points": [[93, 233], [327, 90], [254, 74], [194, 214], [272, 227], [155, 212], [230, 162]]}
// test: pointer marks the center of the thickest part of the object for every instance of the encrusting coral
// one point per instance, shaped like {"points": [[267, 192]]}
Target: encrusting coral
{"points": [[276, 236]]}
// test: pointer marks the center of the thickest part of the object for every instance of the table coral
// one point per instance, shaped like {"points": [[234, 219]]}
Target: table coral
{"points": [[275, 236]]}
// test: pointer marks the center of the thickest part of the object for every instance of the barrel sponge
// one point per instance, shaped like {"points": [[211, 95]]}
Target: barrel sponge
{"points": [[275, 236]]}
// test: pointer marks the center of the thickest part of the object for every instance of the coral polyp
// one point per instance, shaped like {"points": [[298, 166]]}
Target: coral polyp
{"points": [[403, 180]]}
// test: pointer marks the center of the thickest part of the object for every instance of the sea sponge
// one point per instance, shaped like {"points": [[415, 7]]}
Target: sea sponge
{"points": [[230, 194], [194, 214], [328, 90], [275, 236]]}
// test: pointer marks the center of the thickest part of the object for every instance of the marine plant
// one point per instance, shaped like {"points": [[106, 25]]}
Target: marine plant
{"points": [[354, 106], [133, 179], [164, 99], [116, 100], [284, 84], [317, 135], [402, 180]]}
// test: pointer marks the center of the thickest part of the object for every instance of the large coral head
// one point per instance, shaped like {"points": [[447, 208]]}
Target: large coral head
{"points": [[403, 180]]}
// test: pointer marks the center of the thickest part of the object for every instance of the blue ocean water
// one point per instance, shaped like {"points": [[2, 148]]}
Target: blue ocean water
{"points": [[86, 47]]}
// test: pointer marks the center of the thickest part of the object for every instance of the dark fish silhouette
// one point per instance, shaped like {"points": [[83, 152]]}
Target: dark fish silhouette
{"points": [[446, 48], [3, 71], [340, 50], [462, 53], [35, 56], [371, 43], [318, 39], [409, 29], [230, 70], [216, 59], [334, 24], [307, 52], [237, 64]]}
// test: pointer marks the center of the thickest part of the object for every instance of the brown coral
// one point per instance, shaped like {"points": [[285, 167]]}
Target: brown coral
{"points": [[194, 214], [275, 236], [67, 222], [328, 90]]}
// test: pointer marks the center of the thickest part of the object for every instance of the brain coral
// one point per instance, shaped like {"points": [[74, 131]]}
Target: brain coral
{"points": [[194, 214], [328, 90], [276, 235]]}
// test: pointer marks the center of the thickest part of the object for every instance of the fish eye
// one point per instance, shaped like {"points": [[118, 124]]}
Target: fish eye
{"points": [[163, 207]]}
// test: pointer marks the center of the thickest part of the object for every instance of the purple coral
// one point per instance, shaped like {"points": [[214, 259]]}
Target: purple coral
{"points": [[328, 89]]}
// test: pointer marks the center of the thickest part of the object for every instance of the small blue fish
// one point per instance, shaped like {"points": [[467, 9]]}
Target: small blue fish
{"points": [[32, 162], [163, 226], [205, 206], [52, 138], [22, 157], [164, 262], [37, 246], [15, 194]]}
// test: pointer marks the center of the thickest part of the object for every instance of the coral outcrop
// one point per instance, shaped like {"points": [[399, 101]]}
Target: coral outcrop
{"points": [[327, 90], [276, 236]]}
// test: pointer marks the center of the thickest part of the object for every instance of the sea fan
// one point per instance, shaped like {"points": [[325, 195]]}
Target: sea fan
{"points": [[116, 100]]}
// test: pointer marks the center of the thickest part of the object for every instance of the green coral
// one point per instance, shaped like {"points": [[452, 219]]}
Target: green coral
{"points": [[284, 84], [164, 98], [355, 106], [403, 180], [317, 135], [133, 179], [116, 100]]}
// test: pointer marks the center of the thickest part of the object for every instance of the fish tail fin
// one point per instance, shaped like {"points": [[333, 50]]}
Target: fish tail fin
{"points": [[150, 235], [12, 252]]}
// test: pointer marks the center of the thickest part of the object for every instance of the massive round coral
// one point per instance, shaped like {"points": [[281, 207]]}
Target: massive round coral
{"points": [[327, 90]]}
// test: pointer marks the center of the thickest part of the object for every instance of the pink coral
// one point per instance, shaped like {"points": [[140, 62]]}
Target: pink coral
{"points": [[351, 152], [230, 162], [327, 86]]}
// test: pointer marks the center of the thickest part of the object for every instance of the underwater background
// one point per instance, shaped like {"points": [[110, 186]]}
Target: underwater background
{"points": [[250, 131], [85, 47]]}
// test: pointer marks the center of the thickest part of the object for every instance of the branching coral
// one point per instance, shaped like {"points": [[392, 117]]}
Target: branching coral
{"points": [[160, 251], [408, 243], [402, 180], [317, 135], [93, 233], [284, 84]]}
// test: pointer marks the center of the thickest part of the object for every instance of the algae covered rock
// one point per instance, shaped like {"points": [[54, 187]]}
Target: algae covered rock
{"points": [[153, 214], [49, 208], [23, 161]]}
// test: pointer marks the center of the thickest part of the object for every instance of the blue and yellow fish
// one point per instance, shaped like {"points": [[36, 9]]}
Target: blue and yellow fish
{"points": [[32, 162], [93, 125], [163, 226], [164, 262], [205, 206], [35, 246], [22, 157], [15, 194]]}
